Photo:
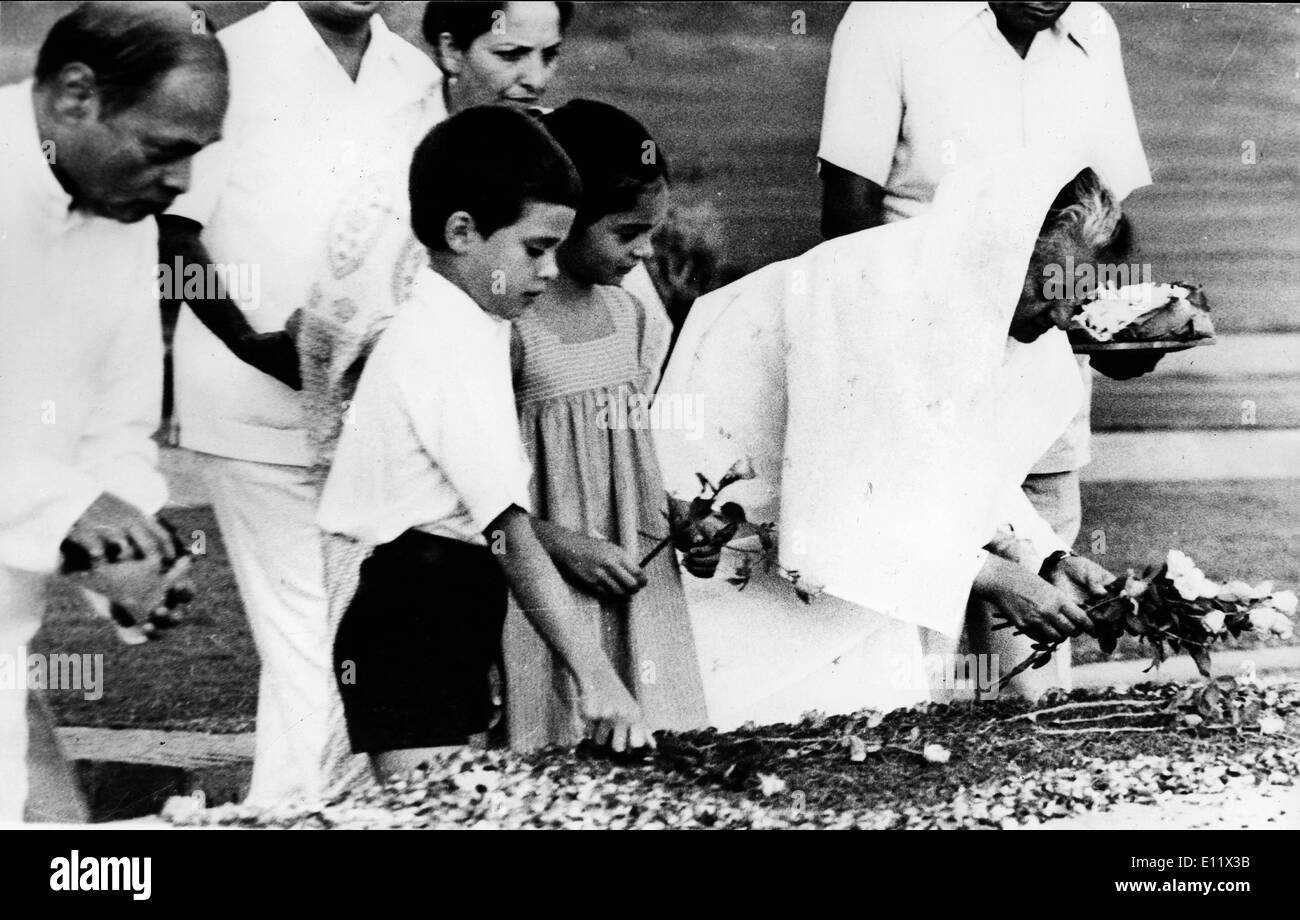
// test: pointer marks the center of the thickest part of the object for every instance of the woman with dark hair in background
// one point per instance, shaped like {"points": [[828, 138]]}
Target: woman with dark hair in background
{"points": [[495, 52], [508, 53]]}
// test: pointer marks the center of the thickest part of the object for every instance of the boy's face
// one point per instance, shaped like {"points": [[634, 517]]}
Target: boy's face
{"points": [[509, 269], [611, 247]]}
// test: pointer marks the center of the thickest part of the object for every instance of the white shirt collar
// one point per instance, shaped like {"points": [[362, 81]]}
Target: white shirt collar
{"points": [[30, 158], [301, 37], [1064, 27], [433, 288]]}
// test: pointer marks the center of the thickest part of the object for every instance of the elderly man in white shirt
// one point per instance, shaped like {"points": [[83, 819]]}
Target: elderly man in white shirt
{"points": [[92, 148], [916, 90], [318, 90]]}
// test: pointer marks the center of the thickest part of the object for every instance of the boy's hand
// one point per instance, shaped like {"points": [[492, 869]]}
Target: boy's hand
{"points": [[613, 718], [600, 565]]}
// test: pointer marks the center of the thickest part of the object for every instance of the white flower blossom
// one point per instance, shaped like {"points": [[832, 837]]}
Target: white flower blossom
{"points": [[1239, 590], [1285, 601], [936, 753], [1214, 621], [1178, 563], [1269, 620], [742, 469], [1193, 585], [1188, 580]]}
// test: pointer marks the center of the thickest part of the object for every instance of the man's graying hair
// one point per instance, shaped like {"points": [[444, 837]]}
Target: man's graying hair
{"points": [[131, 47], [1087, 214]]}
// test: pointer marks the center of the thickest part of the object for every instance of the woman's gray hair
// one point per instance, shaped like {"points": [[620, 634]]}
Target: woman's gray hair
{"points": [[1087, 214]]}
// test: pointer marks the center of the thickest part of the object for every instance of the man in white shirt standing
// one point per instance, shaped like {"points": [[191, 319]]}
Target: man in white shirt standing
{"points": [[315, 88], [916, 90], [92, 148]]}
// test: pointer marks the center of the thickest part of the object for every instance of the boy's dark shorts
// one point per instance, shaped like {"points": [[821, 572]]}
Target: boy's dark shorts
{"points": [[415, 646]]}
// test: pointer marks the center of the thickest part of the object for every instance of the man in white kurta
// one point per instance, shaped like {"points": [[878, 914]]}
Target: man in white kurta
{"points": [[80, 390], [300, 134], [917, 90], [80, 338]]}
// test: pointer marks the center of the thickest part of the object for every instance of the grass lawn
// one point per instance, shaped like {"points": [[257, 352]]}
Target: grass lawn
{"points": [[203, 675]]}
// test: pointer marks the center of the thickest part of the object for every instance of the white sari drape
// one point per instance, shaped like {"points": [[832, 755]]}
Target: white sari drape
{"points": [[891, 421]]}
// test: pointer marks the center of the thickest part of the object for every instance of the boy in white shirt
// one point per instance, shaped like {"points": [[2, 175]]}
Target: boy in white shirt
{"points": [[430, 469]]}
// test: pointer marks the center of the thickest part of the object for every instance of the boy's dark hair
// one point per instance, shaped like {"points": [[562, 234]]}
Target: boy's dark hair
{"points": [[488, 161], [614, 154], [130, 47], [466, 20]]}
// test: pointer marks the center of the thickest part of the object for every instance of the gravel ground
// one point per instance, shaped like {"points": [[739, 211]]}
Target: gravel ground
{"points": [[1248, 808], [1003, 765]]}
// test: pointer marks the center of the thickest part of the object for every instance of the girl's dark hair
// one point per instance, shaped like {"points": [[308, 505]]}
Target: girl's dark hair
{"points": [[466, 20], [489, 161], [614, 154], [130, 47]]}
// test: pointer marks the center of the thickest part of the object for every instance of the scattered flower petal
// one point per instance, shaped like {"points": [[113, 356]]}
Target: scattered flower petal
{"points": [[857, 749], [1271, 725], [936, 753], [477, 780], [771, 784]]}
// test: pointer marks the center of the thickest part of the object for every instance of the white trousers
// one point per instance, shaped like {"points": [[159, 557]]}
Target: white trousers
{"points": [[22, 606], [267, 513]]}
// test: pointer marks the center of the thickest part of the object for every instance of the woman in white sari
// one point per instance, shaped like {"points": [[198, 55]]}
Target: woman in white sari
{"points": [[886, 389]]}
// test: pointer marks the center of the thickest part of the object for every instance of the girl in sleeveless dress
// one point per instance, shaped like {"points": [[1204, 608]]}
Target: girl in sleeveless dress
{"points": [[586, 360]]}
